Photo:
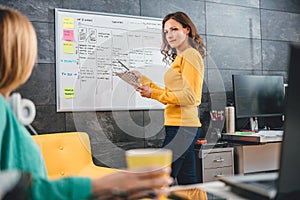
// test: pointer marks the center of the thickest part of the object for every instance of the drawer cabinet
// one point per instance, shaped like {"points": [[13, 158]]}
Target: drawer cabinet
{"points": [[214, 162]]}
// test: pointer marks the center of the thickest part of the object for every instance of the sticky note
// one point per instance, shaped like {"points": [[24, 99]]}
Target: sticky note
{"points": [[68, 35], [69, 93], [68, 22], [69, 47]]}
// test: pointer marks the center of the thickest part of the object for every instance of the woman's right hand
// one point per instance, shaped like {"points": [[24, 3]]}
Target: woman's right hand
{"points": [[142, 182], [145, 91]]}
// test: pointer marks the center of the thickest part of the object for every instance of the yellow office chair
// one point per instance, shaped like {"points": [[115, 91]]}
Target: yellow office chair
{"points": [[69, 154]]}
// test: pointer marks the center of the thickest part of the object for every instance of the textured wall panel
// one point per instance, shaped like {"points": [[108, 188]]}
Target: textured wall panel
{"points": [[225, 20], [275, 55], [282, 5], [129, 7], [35, 10], [281, 26], [246, 3], [234, 53], [47, 120], [40, 88], [195, 10]]}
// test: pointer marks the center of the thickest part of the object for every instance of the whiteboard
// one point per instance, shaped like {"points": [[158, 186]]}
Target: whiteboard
{"points": [[88, 47]]}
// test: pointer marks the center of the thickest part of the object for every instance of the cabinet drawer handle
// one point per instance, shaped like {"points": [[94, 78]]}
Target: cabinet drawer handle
{"points": [[219, 160], [219, 175]]}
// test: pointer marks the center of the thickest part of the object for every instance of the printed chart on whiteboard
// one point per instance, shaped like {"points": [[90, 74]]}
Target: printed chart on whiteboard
{"points": [[89, 49]]}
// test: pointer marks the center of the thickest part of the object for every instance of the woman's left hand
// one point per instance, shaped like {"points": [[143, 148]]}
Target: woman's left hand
{"points": [[145, 91]]}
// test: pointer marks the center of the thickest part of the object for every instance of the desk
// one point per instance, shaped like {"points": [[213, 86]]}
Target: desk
{"points": [[252, 155], [257, 158], [215, 187], [220, 189]]}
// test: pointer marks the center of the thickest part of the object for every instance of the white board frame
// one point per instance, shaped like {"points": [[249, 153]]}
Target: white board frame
{"points": [[85, 83]]}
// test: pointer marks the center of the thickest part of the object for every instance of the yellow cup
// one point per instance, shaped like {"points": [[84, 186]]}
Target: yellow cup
{"points": [[154, 157]]}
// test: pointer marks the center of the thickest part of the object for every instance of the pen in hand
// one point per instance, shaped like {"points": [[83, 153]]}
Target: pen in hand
{"points": [[123, 65]]}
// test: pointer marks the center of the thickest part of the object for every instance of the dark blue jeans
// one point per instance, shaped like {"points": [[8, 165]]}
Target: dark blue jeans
{"points": [[181, 141]]}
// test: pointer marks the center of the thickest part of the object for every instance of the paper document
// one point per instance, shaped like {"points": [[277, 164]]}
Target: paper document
{"points": [[269, 133], [128, 77]]}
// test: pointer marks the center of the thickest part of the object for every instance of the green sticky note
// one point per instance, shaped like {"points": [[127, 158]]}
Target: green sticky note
{"points": [[69, 93]]}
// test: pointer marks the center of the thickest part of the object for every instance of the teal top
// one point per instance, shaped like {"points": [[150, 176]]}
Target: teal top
{"points": [[19, 151]]}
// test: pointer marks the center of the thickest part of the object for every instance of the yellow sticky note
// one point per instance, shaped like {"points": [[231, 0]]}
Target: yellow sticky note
{"points": [[69, 47], [68, 22], [69, 93]]}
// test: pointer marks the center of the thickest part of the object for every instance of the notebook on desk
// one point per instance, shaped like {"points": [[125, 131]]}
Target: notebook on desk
{"points": [[260, 137], [286, 183]]}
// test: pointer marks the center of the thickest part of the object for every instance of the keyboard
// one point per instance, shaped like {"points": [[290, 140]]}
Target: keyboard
{"points": [[268, 185], [270, 133]]}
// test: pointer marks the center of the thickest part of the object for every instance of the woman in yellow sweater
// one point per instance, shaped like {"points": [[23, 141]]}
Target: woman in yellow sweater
{"points": [[183, 47]]}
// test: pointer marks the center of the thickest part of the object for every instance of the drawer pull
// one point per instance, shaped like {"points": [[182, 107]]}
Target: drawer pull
{"points": [[219, 160], [219, 175]]}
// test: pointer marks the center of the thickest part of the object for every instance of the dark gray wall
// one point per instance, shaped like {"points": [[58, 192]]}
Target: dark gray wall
{"points": [[242, 37]]}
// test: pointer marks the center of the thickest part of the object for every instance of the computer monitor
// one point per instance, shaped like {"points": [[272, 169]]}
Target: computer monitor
{"points": [[258, 96]]}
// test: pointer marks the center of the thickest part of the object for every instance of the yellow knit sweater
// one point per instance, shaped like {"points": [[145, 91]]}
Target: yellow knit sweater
{"points": [[183, 89]]}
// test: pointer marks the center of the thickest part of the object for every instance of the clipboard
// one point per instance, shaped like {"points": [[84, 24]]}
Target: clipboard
{"points": [[127, 76]]}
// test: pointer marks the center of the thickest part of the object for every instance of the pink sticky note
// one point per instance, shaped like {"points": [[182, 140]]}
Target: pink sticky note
{"points": [[68, 35]]}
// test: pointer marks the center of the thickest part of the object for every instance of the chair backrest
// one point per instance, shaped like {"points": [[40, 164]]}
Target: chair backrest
{"points": [[65, 154]]}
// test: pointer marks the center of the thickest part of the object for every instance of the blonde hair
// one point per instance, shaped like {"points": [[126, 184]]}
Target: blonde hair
{"points": [[18, 49]]}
